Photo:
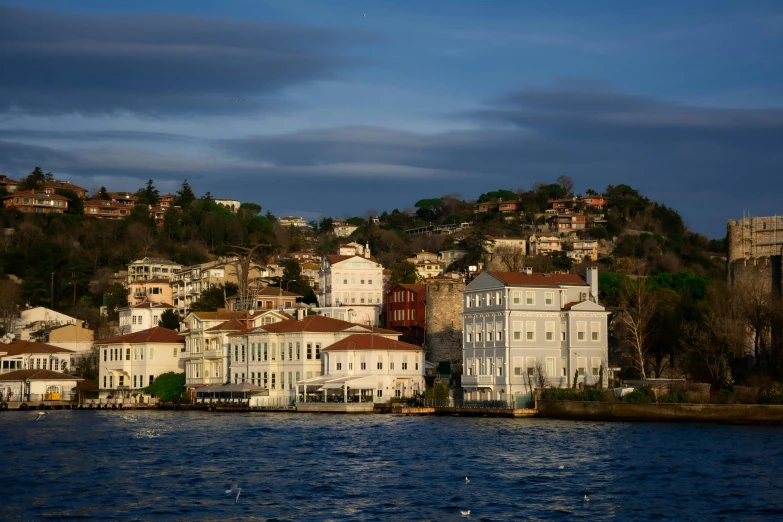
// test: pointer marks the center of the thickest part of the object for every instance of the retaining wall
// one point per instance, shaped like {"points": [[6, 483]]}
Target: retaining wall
{"points": [[618, 411]]}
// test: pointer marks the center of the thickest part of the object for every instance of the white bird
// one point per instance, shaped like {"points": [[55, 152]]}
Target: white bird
{"points": [[467, 480], [465, 513], [40, 415], [587, 499], [561, 467], [234, 491]]}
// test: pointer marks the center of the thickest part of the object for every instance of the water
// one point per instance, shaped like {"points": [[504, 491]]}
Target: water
{"points": [[299, 467]]}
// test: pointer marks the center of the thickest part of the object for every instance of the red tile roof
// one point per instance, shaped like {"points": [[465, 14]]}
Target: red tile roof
{"points": [[539, 279], [232, 325], [219, 316], [412, 287], [37, 375], [371, 342], [35, 194], [148, 304], [20, 347], [152, 335]]}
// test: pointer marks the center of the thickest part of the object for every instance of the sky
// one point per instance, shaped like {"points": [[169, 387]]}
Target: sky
{"points": [[341, 107]]}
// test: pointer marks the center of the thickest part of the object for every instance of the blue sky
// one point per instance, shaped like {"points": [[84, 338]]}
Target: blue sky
{"points": [[312, 108]]}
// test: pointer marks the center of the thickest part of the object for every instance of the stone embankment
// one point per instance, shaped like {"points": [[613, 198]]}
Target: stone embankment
{"points": [[618, 411]]}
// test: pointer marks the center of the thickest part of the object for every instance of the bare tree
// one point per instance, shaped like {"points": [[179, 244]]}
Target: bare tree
{"points": [[753, 294], [566, 183], [638, 304], [511, 258], [10, 295], [245, 257]]}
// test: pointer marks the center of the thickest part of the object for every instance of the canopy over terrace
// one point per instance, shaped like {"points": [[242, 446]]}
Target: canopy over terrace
{"points": [[229, 392], [355, 387]]}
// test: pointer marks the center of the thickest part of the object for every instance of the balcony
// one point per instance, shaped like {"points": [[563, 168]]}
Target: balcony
{"points": [[213, 354], [473, 380]]}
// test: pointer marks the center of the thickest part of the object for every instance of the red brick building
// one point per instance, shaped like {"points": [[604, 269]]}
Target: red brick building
{"points": [[405, 311]]}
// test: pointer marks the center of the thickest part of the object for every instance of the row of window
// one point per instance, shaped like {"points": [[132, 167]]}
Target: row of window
{"points": [[116, 354], [528, 366], [497, 298], [351, 298], [378, 365], [268, 351], [36, 364], [138, 381], [529, 332], [404, 315]]}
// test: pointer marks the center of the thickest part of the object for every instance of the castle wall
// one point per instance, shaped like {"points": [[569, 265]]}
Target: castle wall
{"points": [[443, 336]]}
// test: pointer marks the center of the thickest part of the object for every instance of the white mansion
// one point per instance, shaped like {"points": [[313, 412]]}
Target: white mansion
{"points": [[354, 280], [517, 324]]}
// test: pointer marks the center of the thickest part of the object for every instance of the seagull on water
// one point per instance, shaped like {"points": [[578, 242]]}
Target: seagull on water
{"points": [[40, 415], [465, 513], [587, 499], [234, 491], [561, 467], [467, 480]]}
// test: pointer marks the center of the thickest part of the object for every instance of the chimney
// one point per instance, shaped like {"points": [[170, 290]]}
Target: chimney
{"points": [[367, 251], [528, 270], [592, 280], [300, 314]]}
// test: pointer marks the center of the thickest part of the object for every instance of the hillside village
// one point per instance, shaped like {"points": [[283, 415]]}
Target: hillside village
{"points": [[493, 298]]}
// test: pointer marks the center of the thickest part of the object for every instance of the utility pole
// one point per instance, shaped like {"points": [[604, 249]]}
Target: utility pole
{"points": [[73, 280], [52, 292]]}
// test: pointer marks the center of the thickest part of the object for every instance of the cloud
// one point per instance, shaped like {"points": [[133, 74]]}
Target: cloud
{"points": [[708, 163], [157, 64]]}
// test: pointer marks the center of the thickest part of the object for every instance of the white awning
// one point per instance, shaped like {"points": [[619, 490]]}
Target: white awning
{"points": [[331, 382]]}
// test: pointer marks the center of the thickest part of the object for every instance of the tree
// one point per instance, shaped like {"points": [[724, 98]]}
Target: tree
{"points": [[638, 304], [477, 245], [246, 256], [512, 258], [325, 225], [403, 272], [167, 387], [10, 296], [33, 180], [169, 319], [185, 195], [102, 194], [566, 183], [753, 293], [75, 203], [114, 299], [150, 194], [87, 364], [213, 298]]}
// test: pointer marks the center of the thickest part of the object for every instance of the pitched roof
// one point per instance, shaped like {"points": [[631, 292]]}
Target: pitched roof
{"points": [[153, 281], [371, 342], [151, 335], [316, 323], [272, 291], [35, 194], [218, 316], [232, 325], [20, 347], [538, 279], [416, 287], [339, 259], [32, 375], [148, 304]]}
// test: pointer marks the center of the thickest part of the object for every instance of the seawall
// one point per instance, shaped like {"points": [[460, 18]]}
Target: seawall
{"points": [[618, 411]]}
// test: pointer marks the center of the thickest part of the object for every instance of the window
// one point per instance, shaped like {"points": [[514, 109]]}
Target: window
{"points": [[478, 337], [380, 365], [562, 336], [243, 353], [282, 380], [595, 365], [595, 331], [550, 331], [309, 351], [104, 381], [580, 330], [134, 380], [274, 349], [470, 337], [104, 355], [364, 365], [273, 380], [290, 382], [290, 351], [468, 301], [298, 351], [266, 346], [549, 298], [236, 353], [339, 366], [282, 351], [581, 364], [518, 362], [550, 366], [531, 366], [253, 353], [152, 354], [174, 352], [318, 351], [152, 378], [530, 298], [122, 380], [530, 331], [127, 354], [391, 365], [265, 379], [489, 335], [379, 393], [404, 366]]}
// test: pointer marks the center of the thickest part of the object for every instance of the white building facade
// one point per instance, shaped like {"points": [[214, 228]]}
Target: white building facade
{"points": [[522, 327], [352, 281], [152, 268], [141, 316], [128, 363]]}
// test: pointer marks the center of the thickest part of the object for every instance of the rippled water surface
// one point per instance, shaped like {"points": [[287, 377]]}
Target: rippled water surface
{"points": [[177, 466]]}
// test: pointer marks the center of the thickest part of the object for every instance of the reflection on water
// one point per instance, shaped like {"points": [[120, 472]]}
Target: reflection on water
{"points": [[177, 465]]}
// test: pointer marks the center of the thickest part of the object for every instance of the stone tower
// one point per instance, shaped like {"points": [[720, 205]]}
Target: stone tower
{"points": [[443, 329], [753, 237]]}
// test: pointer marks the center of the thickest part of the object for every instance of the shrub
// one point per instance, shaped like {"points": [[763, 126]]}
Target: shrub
{"points": [[674, 397], [639, 395], [565, 394], [773, 394]]}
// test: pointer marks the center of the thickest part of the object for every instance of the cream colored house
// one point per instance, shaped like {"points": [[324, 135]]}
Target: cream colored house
{"points": [[152, 268], [205, 357], [141, 316], [543, 245], [354, 281], [343, 229], [279, 355], [76, 338], [128, 363], [29, 355], [191, 281], [584, 249], [36, 386], [508, 243]]}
